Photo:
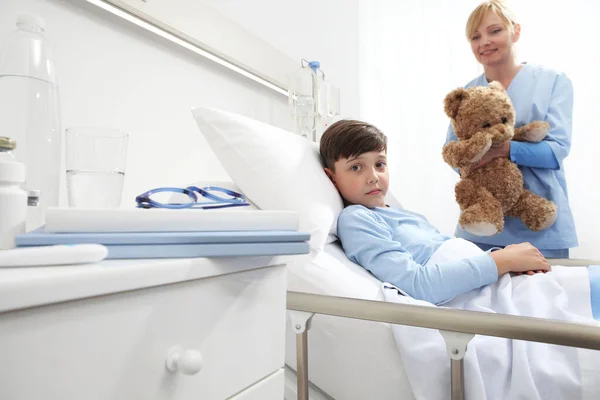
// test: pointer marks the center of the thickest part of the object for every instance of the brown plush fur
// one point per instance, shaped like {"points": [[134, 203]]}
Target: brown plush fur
{"points": [[483, 117]]}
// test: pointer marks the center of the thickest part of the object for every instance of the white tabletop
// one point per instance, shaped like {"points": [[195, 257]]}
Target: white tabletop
{"points": [[34, 286]]}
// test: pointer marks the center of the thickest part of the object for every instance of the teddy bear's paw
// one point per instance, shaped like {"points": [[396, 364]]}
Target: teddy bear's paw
{"points": [[480, 155], [482, 219], [481, 229], [537, 213], [536, 135], [535, 131], [549, 220]]}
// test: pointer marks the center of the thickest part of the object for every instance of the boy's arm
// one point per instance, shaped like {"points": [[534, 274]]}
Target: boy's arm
{"points": [[369, 243]]}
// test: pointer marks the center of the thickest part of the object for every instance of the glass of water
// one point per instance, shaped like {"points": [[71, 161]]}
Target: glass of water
{"points": [[95, 163]]}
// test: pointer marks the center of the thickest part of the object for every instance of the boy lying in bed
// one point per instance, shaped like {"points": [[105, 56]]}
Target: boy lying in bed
{"points": [[395, 244]]}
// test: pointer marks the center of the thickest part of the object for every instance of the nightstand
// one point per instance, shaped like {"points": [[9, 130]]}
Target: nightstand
{"points": [[145, 329]]}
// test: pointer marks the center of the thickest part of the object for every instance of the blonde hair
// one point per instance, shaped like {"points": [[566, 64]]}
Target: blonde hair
{"points": [[498, 7]]}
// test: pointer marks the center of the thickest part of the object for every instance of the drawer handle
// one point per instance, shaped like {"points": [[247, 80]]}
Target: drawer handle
{"points": [[188, 362]]}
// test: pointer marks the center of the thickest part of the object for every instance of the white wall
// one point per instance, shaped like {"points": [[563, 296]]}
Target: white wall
{"points": [[412, 54], [326, 31], [112, 74]]}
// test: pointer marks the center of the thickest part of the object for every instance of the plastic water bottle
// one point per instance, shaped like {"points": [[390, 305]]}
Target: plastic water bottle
{"points": [[13, 199], [29, 109], [302, 95]]}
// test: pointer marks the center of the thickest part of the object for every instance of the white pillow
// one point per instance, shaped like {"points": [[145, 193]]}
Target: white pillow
{"points": [[276, 170]]}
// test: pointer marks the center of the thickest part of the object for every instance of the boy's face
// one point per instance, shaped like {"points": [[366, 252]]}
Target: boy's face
{"points": [[363, 179]]}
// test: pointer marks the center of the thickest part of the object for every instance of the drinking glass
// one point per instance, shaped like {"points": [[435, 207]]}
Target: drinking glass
{"points": [[95, 164]]}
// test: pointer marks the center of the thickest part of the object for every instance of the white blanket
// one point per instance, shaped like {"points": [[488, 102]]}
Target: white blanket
{"points": [[497, 368]]}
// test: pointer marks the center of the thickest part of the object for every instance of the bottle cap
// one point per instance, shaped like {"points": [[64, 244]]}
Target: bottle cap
{"points": [[12, 172], [31, 22], [7, 143], [314, 65]]}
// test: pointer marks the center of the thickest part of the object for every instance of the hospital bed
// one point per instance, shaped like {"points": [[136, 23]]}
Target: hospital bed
{"points": [[339, 341]]}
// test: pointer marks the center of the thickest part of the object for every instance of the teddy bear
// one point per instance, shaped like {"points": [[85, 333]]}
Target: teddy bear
{"points": [[483, 117]]}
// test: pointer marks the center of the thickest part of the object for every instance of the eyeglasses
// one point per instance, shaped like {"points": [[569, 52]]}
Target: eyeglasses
{"points": [[231, 198]]}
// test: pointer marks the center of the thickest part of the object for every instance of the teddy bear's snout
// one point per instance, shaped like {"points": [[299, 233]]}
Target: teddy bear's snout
{"points": [[501, 133]]}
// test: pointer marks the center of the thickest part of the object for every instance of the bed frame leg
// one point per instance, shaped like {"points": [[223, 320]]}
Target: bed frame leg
{"points": [[457, 370], [456, 345], [301, 323], [302, 364]]}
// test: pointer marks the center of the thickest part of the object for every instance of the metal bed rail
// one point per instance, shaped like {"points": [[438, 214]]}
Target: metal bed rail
{"points": [[463, 324]]}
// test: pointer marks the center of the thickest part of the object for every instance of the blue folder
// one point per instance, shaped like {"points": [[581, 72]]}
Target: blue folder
{"points": [[206, 250], [40, 238]]}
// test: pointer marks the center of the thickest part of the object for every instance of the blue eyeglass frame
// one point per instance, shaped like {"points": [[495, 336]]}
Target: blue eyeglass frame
{"points": [[236, 199]]}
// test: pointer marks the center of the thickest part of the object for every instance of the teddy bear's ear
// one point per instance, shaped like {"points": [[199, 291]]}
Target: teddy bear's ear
{"points": [[453, 100], [495, 85]]}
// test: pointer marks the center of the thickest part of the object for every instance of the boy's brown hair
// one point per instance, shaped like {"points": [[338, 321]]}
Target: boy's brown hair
{"points": [[350, 138]]}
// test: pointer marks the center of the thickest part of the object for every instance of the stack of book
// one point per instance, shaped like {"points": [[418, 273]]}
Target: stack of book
{"points": [[163, 233]]}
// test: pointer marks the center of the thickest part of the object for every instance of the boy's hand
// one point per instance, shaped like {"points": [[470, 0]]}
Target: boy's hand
{"points": [[520, 258]]}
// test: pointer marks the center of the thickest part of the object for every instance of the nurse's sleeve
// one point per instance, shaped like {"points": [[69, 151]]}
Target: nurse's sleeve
{"points": [[560, 118], [534, 155], [555, 147], [369, 243]]}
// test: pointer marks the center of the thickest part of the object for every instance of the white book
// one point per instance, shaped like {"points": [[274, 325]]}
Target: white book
{"points": [[60, 219]]}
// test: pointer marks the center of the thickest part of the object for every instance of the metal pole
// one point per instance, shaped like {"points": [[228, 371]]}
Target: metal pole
{"points": [[302, 364], [572, 262], [479, 323], [457, 376]]}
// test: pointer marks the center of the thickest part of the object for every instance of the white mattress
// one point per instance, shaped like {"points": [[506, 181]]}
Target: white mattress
{"points": [[348, 359]]}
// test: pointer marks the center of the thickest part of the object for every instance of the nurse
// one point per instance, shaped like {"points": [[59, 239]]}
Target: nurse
{"points": [[538, 93]]}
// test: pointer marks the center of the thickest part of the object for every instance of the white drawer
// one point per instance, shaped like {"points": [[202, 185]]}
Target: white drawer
{"points": [[270, 388], [114, 347]]}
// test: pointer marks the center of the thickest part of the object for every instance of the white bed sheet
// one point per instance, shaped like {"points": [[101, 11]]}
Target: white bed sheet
{"points": [[348, 359]]}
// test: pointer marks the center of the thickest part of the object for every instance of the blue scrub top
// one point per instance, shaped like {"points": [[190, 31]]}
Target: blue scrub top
{"points": [[538, 94]]}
